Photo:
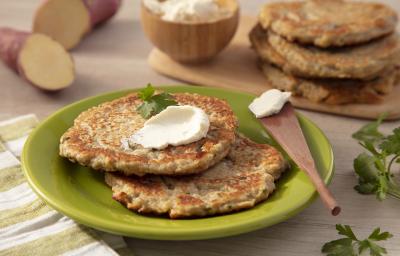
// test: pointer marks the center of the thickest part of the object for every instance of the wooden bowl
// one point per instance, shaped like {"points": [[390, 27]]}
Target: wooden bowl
{"points": [[191, 42]]}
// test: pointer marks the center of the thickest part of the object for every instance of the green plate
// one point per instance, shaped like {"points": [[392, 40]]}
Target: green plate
{"points": [[82, 194]]}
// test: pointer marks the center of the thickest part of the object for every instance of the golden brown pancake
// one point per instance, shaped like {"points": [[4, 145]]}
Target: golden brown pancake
{"points": [[326, 23], [331, 91], [242, 179], [364, 62], [95, 139]]}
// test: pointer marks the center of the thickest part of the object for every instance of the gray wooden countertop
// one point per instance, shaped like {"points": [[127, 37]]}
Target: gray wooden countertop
{"points": [[103, 64]]}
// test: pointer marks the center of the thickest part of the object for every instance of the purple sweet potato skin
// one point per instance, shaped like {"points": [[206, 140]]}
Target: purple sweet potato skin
{"points": [[11, 43], [101, 10]]}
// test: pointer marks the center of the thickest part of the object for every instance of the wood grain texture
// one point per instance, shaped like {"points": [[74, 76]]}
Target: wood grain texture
{"points": [[114, 57], [295, 145], [235, 68], [191, 43]]}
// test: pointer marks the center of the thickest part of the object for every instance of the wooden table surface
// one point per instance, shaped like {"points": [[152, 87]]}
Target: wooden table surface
{"points": [[114, 57]]}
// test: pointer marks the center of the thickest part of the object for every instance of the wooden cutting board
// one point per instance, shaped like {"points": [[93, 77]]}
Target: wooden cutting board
{"points": [[235, 68]]}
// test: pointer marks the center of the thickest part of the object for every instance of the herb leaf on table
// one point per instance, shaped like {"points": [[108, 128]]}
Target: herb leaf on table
{"points": [[352, 246], [374, 169], [153, 104]]}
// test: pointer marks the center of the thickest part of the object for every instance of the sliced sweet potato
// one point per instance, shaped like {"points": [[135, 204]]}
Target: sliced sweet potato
{"points": [[68, 21], [37, 58]]}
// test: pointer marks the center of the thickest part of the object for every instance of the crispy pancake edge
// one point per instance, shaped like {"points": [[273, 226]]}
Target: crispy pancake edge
{"points": [[86, 141], [241, 180]]}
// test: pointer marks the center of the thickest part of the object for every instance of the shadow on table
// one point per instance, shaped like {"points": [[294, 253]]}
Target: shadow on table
{"points": [[117, 39]]}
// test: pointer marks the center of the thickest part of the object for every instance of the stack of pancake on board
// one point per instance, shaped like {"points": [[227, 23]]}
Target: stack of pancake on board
{"points": [[329, 51], [220, 173]]}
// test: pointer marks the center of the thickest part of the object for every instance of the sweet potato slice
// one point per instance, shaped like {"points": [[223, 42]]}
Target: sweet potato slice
{"points": [[37, 58], [68, 21]]}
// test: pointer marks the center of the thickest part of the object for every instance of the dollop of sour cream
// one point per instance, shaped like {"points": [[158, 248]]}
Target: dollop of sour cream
{"points": [[269, 103], [175, 125], [190, 11]]}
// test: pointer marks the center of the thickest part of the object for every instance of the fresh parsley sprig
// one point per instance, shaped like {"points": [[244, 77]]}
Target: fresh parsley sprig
{"points": [[352, 246], [153, 104], [374, 169]]}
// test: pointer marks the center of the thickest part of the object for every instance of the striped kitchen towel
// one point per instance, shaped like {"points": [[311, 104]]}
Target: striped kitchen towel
{"points": [[27, 225]]}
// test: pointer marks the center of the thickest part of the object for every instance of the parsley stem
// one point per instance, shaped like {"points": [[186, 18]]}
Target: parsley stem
{"points": [[394, 189], [394, 192], [391, 163]]}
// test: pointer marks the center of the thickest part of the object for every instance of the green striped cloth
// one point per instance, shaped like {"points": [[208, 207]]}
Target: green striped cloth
{"points": [[27, 225]]}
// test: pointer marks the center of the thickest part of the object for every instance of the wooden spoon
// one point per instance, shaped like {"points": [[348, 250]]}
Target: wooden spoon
{"points": [[285, 129]]}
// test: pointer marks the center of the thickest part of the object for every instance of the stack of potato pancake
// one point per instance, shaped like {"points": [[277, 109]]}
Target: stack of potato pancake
{"points": [[329, 51], [220, 173]]}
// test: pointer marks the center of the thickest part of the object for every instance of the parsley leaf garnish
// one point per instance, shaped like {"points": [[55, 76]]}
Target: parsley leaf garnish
{"points": [[352, 246], [146, 93], [374, 169], [153, 104], [391, 144], [370, 131]]}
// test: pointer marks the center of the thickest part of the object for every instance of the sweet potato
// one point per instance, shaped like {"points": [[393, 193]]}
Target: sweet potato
{"points": [[68, 21], [37, 58]]}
